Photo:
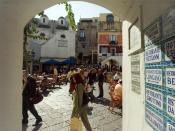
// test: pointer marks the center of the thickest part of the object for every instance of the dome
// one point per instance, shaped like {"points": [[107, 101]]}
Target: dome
{"points": [[62, 22], [44, 20]]}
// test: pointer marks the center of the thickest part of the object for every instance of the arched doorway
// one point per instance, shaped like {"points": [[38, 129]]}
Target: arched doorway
{"points": [[15, 15]]}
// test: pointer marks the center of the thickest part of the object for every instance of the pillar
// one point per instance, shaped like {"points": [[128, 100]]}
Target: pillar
{"points": [[10, 68]]}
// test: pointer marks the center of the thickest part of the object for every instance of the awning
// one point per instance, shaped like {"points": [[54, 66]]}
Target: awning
{"points": [[70, 61], [52, 62]]}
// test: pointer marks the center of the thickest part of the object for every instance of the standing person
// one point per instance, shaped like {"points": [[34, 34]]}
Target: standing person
{"points": [[79, 105], [91, 80], [100, 83], [69, 78], [27, 96], [55, 71]]}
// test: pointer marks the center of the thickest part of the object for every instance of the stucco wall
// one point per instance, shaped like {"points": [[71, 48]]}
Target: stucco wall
{"points": [[133, 103], [52, 49]]}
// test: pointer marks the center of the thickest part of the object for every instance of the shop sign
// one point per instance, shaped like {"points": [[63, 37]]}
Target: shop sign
{"points": [[153, 55], [154, 76], [62, 43], [155, 98], [170, 50], [171, 106], [170, 77], [170, 127], [154, 120]]}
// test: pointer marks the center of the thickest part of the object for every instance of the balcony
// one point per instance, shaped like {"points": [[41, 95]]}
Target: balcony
{"points": [[82, 38], [112, 43]]}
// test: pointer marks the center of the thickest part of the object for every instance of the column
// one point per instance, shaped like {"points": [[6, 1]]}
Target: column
{"points": [[11, 53]]}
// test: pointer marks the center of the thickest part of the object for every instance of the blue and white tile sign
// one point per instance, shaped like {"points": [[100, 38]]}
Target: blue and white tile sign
{"points": [[171, 106], [155, 98], [154, 120], [170, 78], [153, 55], [170, 49], [160, 72], [154, 76], [170, 127]]}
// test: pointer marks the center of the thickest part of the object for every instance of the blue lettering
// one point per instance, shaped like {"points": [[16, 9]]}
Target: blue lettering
{"points": [[154, 77], [171, 102], [171, 128], [169, 80], [173, 81], [170, 110]]}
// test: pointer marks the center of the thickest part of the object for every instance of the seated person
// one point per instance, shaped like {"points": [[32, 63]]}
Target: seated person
{"points": [[117, 96], [112, 85]]}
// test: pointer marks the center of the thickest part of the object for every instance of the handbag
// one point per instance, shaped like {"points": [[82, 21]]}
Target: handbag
{"points": [[75, 124], [37, 98]]}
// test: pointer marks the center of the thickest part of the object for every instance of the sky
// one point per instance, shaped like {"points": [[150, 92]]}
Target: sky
{"points": [[80, 10]]}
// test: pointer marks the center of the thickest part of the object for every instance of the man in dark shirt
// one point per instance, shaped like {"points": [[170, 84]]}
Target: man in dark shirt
{"points": [[27, 95], [100, 83]]}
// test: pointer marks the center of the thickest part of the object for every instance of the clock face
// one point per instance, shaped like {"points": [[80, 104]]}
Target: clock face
{"points": [[110, 18]]}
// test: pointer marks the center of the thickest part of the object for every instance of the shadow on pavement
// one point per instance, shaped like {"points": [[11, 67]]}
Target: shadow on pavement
{"points": [[36, 128], [103, 101], [89, 110]]}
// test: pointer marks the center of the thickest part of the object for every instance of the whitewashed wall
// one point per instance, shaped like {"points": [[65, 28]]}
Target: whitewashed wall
{"points": [[52, 48], [133, 103]]}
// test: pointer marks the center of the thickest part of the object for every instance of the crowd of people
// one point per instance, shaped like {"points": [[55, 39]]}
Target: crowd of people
{"points": [[82, 81]]}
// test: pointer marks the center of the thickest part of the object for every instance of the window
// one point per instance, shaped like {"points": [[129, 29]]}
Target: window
{"points": [[110, 18], [44, 20], [113, 38], [82, 34], [113, 50], [42, 34], [62, 22], [104, 50], [63, 36]]}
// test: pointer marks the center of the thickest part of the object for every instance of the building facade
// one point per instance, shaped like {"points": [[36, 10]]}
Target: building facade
{"points": [[86, 42], [57, 48], [109, 40]]}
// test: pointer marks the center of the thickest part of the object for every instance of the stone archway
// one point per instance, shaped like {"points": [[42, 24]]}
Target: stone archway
{"points": [[15, 14]]}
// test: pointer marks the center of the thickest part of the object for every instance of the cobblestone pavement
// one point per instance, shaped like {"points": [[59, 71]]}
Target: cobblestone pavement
{"points": [[56, 110]]}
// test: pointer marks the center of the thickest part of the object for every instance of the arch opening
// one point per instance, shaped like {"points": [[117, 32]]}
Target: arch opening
{"points": [[50, 63]]}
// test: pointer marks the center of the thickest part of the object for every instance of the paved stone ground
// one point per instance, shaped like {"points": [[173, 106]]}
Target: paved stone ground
{"points": [[56, 110]]}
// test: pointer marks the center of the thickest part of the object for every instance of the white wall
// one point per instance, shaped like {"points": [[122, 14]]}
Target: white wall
{"points": [[52, 50], [133, 103]]}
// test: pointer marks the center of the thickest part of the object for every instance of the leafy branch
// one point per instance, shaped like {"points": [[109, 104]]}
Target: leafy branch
{"points": [[70, 14]]}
